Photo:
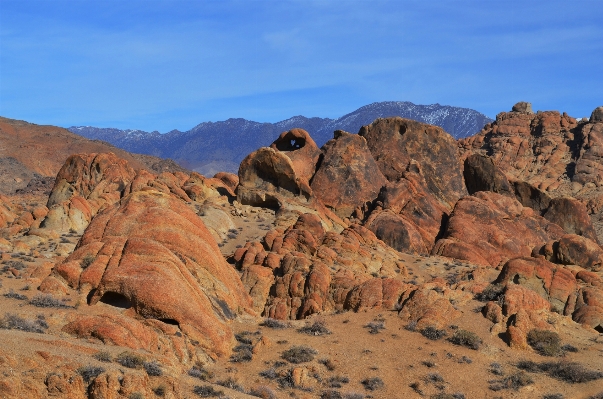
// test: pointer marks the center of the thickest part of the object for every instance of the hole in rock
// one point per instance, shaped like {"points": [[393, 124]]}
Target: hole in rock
{"points": [[516, 279], [599, 329], [170, 321], [116, 299], [290, 143]]}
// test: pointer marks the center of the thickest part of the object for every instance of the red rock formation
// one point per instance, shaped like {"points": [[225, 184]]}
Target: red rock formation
{"points": [[301, 149], [305, 270], [348, 176], [490, 228], [395, 142], [154, 254]]}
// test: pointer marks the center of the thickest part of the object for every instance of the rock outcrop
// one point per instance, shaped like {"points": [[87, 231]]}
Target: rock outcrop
{"points": [[305, 270], [153, 254], [489, 228], [348, 177], [396, 142]]}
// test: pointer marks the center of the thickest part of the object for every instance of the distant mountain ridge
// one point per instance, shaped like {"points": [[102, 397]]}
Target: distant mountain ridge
{"points": [[210, 147]]}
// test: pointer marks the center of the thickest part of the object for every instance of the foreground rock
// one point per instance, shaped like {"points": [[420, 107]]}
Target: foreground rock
{"points": [[152, 254]]}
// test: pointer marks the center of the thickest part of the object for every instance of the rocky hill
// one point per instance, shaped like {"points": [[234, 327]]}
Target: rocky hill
{"points": [[396, 262], [31, 153], [211, 147]]}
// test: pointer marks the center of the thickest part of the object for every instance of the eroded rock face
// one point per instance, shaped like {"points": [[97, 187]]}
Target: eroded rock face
{"points": [[406, 216], [490, 228], [536, 148], [305, 270], [348, 176], [85, 184], [526, 279], [301, 149], [266, 174], [576, 250], [395, 142], [571, 215], [154, 255], [523, 107], [482, 175], [597, 115]]}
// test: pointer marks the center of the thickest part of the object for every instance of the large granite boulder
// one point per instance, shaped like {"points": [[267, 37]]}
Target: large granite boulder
{"points": [[348, 177], [395, 142], [152, 254]]}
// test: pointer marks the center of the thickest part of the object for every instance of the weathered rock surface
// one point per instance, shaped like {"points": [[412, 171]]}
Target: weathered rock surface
{"points": [[395, 142], [305, 270], [85, 184], [576, 250], [536, 148], [348, 177], [154, 255], [571, 215], [490, 228], [482, 175], [265, 175], [406, 216], [301, 149]]}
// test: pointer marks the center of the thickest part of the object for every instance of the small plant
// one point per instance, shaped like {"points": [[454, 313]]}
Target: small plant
{"points": [[206, 391], [434, 378], [198, 371], [372, 384], [513, 381], [13, 322], [160, 391], [130, 360], [89, 373], [466, 338], [273, 323], [428, 363], [337, 381], [299, 354], [496, 369], [547, 343], [242, 353], [553, 396], [153, 368], [269, 374], [231, 383], [317, 328], [87, 261], [443, 395], [47, 301], [353, 395], [136, 395], [569, 348], [328, 363], [375, 327], [432, 333], [103, 356], [15, 295], [493, 292], [331, 394], [565, 371], [263, 392], [412, 326]]}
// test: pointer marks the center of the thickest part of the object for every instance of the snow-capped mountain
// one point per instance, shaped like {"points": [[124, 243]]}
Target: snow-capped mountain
{"points": [[210, 147]]}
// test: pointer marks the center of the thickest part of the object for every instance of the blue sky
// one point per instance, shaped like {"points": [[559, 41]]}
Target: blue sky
{"points": [[162, 65]]}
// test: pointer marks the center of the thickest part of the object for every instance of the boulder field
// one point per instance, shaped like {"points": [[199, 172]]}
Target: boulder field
{"points": [[519, 205]]}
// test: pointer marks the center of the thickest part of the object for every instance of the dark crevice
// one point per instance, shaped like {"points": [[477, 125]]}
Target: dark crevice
{"points": [[116, 299]]}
